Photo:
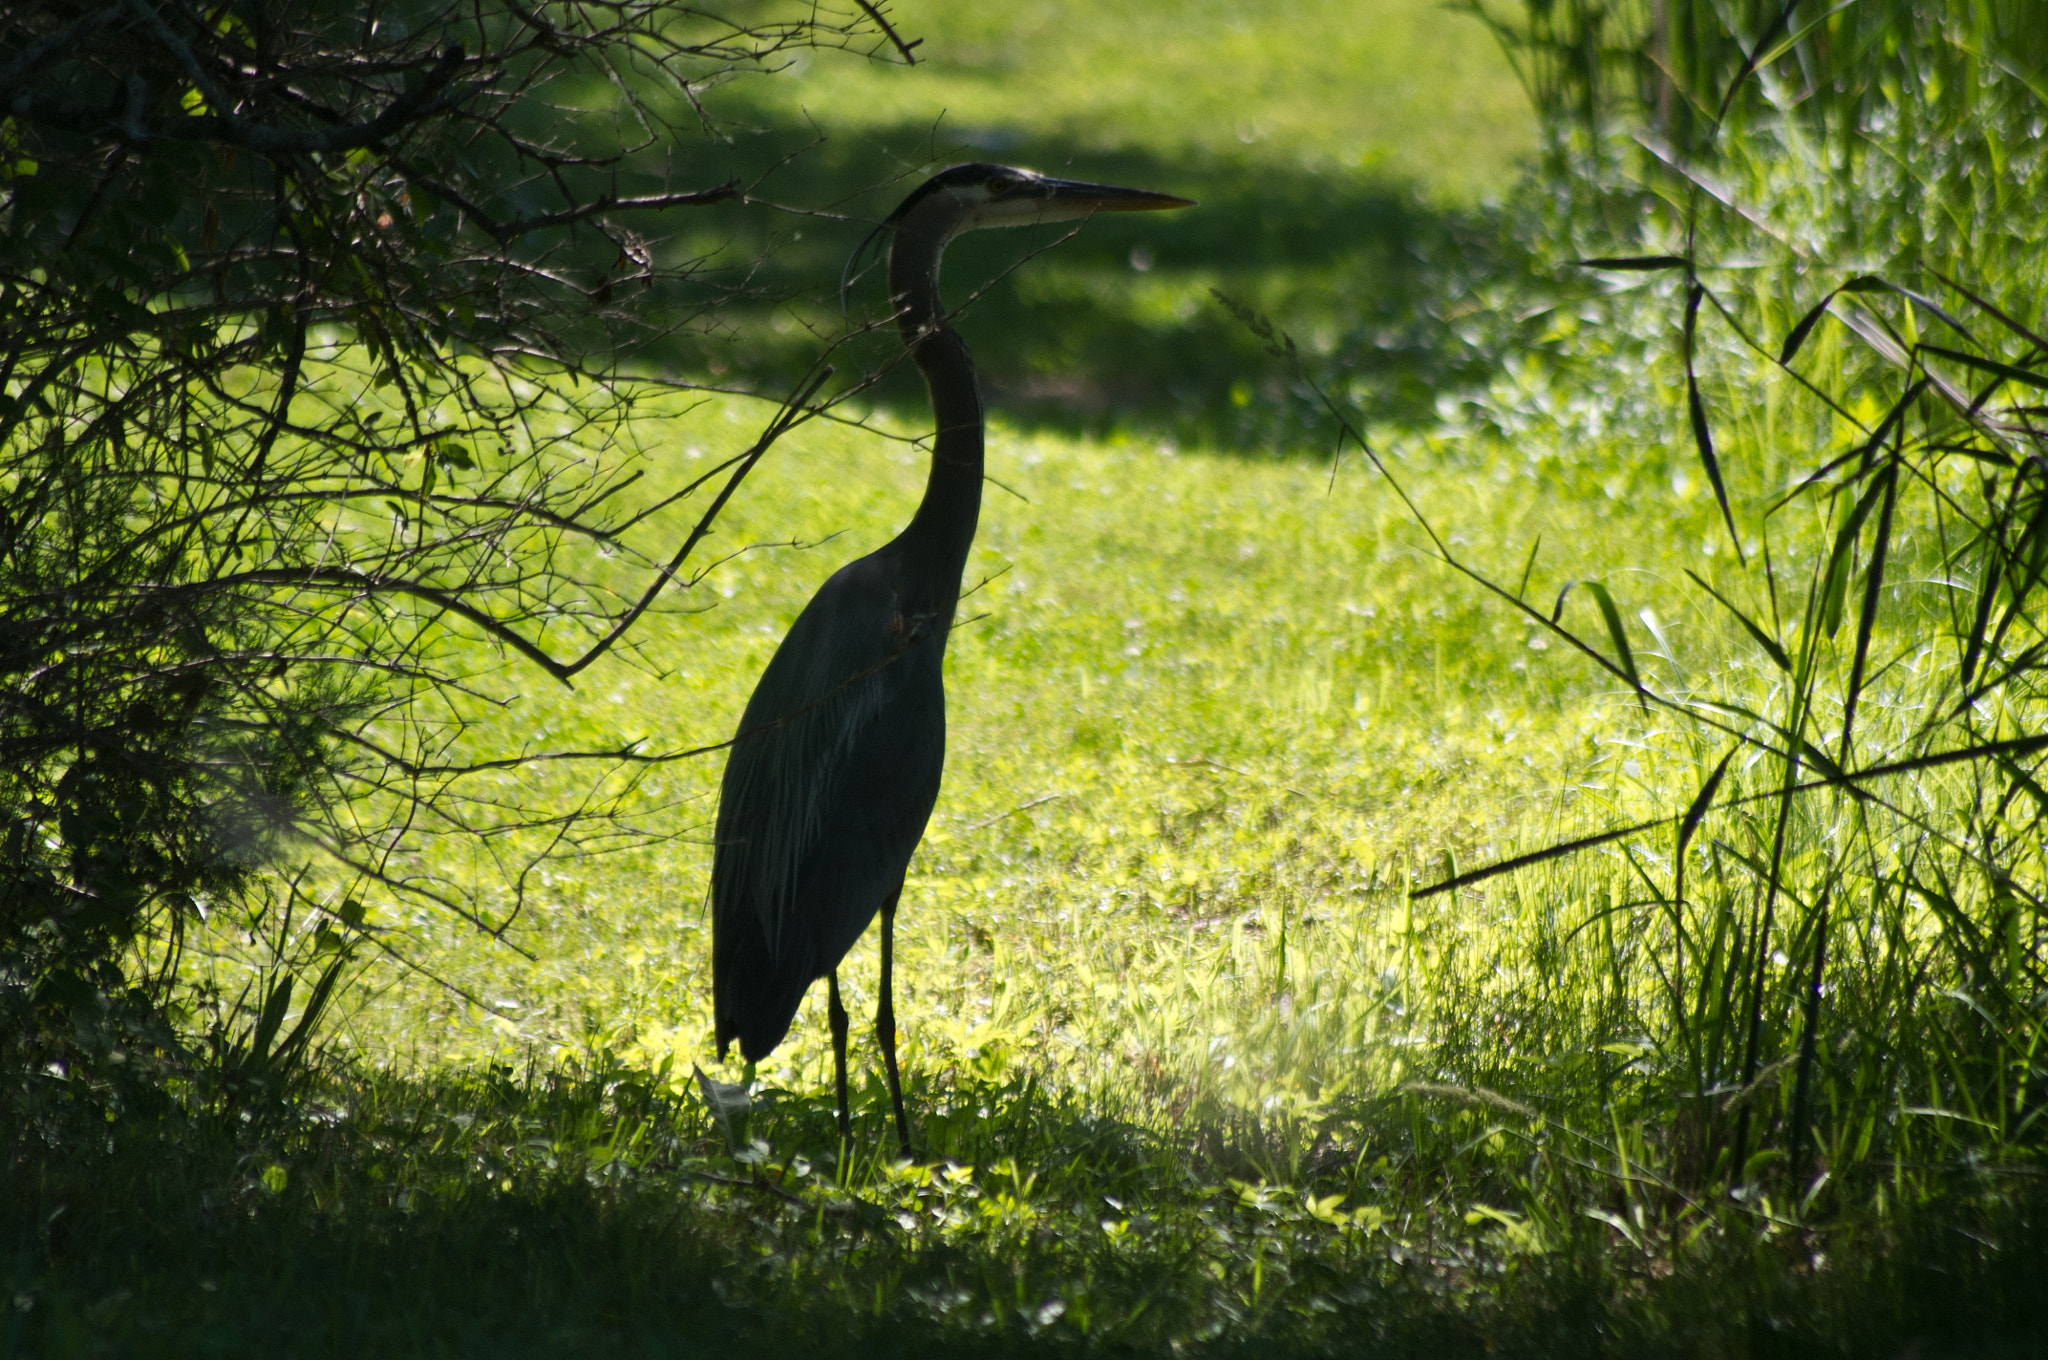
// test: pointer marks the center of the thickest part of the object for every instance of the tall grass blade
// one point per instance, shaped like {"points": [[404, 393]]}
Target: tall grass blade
{"points": [[293, 1048], [1760, 939], [1805, 327], [1804, 31], [1756, 632], [1557, 607], [1933, 308], [1521, 590], [1618, 634], [1755, 59], [1832, 776], [2022, 780], [275, 1006], [2013, 372], [2024, 564], [1634, 263], [1808, 1043], [1556, 850], [1702, 434], [1866, 619], [2017, 327], [1702, 801], [1841, 559]]}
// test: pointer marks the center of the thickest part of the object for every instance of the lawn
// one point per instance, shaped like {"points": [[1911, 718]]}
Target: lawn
{"points": [[1347, 158], [1414, 94], [1196, 1057], [1203, 704], [1200, 694]]}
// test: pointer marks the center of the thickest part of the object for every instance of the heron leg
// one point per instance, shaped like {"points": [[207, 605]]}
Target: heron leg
{"points": [[885, 1018], [837, 1013]]}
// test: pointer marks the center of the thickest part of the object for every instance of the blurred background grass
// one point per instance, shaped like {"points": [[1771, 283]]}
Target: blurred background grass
{"points": [[1388, 87], [1349, 161]]}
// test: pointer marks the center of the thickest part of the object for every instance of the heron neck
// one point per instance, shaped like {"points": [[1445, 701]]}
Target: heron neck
{"points": [[943, 529]]}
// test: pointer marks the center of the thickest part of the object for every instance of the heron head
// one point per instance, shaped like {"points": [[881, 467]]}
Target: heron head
{"points": [[970, 197]]}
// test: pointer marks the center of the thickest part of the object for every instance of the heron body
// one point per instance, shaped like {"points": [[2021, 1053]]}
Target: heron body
{"points": [[837, 762]]}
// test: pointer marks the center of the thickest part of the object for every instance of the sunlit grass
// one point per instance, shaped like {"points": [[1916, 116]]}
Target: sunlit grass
{"points": [[1184, 1059], [1208, 718], [1409, 91]]}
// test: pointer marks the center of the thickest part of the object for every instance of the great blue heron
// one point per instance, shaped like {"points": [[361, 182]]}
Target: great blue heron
{"points": [[836, 765]]}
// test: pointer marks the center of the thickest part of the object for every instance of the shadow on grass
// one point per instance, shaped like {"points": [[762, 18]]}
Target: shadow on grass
{"points": [[1115, 327], [597, 1214]]}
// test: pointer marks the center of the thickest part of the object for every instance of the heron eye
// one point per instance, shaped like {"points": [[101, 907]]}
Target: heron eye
{"points": [[1000, 184]]}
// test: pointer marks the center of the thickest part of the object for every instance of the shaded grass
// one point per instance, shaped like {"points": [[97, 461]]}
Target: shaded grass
{"points": [[1114, 326], [585, 1213], [1342, 157]]}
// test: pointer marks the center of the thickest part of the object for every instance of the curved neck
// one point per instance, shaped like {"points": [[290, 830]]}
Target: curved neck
{"points": [[943, 529]]}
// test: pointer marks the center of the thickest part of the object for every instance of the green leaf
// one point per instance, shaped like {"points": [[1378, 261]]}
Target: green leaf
{"points": [[1821, 761], [1805, 326], [1557, 609], [1702, 801], [1633, 263], [1762, 639], [2003, 370], [1624, 654], [1702, 435], [274, 1007], [1836, 589], [1873, 590], [1842, 556], [1528, 567], [1703, 440]]}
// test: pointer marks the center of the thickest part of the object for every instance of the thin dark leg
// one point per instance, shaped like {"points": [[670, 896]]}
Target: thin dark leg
{"points": [[837, 1013], [885, 1018]]}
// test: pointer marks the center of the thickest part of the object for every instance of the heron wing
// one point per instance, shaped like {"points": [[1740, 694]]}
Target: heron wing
{"points": [[826, 793]]}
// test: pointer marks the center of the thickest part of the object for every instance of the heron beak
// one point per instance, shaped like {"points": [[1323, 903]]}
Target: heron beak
{"points": [[1079, 196]]}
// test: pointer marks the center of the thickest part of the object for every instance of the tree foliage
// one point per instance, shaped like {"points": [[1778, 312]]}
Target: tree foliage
{"points": [[311, 322]]}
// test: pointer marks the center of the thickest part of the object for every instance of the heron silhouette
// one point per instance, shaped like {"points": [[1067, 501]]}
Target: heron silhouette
{"points": [[836, 764]]}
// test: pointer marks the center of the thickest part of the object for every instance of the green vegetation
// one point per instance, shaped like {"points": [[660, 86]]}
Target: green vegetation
{"points": [[290, 376], [1325, 86], [1344, 154], [1196, 1059]]}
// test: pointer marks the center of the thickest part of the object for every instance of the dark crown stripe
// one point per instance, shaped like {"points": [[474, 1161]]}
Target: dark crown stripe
{"points": [[974, 172]]}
